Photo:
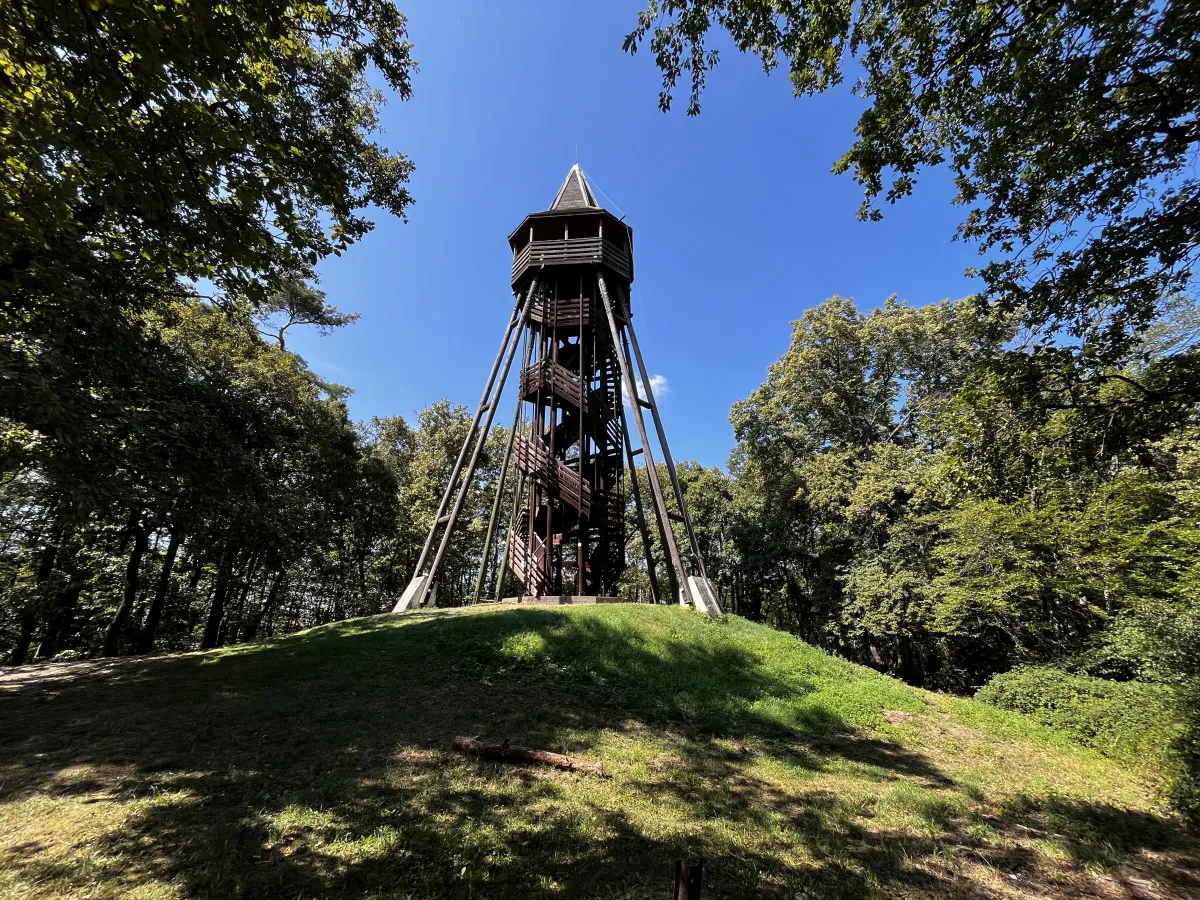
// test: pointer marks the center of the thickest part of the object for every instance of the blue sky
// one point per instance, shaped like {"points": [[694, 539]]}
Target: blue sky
{"points": [[738, 224]]}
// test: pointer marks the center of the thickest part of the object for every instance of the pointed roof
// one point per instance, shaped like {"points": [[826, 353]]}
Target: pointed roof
{"points": [[575, 192]]}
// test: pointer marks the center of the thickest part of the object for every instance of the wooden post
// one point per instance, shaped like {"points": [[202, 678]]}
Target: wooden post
{"points": [[462, 454], [637, 505], [662, 440], [689, 877], [581, 536], [518, 488], [491, 529]]}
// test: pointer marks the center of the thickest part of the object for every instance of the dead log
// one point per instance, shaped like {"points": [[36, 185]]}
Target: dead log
{"points": [[506, 752]]}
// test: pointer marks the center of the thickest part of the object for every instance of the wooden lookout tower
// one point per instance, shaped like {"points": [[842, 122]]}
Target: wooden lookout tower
{"points": [[582, 378]]}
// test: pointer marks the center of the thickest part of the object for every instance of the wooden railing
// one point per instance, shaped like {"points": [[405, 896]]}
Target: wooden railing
{"points": [[609, 507], [533, 458], [573, 251], [527, 563], [559, 380], [561, 313]]}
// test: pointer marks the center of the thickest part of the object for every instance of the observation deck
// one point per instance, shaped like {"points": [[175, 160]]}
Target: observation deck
{"points": [[596, 251], [574, 231]]}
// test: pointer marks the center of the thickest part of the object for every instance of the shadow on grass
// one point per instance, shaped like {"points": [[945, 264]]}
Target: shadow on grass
{"points": [[318, 767]]}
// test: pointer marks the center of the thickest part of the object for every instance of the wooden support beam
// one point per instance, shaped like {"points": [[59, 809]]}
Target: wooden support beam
{"points": [[660, 503], [518, 490], [491, 529], [651, 566], [662, 442], [518, 315], [508, 351]]}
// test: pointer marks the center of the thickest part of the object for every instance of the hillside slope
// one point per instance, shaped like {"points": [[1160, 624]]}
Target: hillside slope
{"points": [[320, 765]]}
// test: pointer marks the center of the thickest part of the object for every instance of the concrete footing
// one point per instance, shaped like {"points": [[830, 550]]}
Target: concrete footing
{"points": [[415, 588], [704, 595]]}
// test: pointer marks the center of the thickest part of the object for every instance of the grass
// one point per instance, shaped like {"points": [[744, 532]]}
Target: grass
{"points": [[320, 766]]}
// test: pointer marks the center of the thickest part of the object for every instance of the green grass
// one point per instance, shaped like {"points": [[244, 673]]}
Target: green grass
{"points": [[1129, 721], [321, 766]]}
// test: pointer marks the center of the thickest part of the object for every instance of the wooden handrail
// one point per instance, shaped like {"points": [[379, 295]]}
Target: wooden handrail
{"points": [[533, 458], [559, 380], [573, 251]]}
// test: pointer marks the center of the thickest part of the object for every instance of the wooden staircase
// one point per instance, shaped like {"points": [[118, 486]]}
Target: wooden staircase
{"points": [[533, 458], [549, 378], [529, 564]]}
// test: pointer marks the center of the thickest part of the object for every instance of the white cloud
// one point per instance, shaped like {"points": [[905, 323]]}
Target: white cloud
{"points": [[658, 384]]}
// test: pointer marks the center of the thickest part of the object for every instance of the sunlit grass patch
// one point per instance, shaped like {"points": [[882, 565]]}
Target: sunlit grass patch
{"points": [[321, 765]]}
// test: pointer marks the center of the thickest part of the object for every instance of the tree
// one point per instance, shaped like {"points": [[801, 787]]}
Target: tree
{"points": [[296, 302], [149, 145], [1071, 130]]}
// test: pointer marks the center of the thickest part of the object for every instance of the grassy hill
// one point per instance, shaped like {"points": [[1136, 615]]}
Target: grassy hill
{"points": [[321, 765]]}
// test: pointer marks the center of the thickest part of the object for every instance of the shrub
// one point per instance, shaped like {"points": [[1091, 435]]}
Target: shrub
{"points": [[1184, 759], [1130, 721]]}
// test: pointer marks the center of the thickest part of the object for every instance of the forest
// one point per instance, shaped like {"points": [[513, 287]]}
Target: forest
{"points": [[961, 494]]}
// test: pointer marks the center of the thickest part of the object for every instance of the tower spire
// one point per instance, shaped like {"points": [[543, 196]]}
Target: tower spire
{"points": [[575, 192]]}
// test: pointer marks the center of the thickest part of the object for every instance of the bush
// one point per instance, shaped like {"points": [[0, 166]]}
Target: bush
{"points": [[1184, 760], [1130, 721]]}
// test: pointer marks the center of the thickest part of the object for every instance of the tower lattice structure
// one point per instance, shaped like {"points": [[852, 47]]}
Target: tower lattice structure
{"points": [[581, 380]]}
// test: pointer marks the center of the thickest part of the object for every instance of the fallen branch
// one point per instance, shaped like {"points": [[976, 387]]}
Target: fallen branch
{"points": [[505, 752]]}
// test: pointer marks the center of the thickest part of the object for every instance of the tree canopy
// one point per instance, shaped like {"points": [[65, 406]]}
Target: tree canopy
{"points": [[151, 148], [1071, 131]]}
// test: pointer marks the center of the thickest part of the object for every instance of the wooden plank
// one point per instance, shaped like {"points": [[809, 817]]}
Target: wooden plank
{"points": [[533, 458], [574, 251]]}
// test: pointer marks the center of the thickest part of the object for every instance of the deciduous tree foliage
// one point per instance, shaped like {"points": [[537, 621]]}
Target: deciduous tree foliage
{"points": [[1038, 509], [148, 145], [889, 500], [886, 500], [1071, 130], [249, 505], [172, 173]]}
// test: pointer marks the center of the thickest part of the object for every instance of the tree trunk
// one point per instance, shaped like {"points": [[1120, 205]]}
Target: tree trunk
{"points": [[267, 606], [233, 626], [212, 628], [362, 577], [59, 613], [145, 641], [29, 615], [112, 636], [197, 562], [61, 623]]}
